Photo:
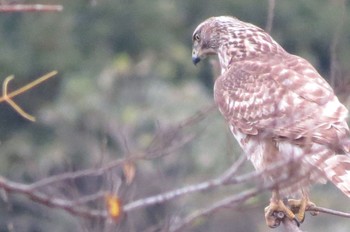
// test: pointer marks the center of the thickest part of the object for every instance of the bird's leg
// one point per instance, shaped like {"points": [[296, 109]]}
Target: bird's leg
{"points": [[299, 207], [277, 210]]}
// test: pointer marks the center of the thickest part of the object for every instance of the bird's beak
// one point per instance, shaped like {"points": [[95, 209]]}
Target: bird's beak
{"points": [[195, 59], [195, 56]]}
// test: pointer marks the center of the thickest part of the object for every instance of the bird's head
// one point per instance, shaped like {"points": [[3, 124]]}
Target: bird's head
{"points": [[206, 38], [229, 38]]}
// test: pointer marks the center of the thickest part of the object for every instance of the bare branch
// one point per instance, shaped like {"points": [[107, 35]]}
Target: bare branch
{"points": [[77, 206], [227, 178], [198, 116], [29, 7], [334, 63], [93, 197], [10, 186], [270, 15], [328, 211], [78, 174], [155, 149], [240, 198], [188, 189], [228, 202]]}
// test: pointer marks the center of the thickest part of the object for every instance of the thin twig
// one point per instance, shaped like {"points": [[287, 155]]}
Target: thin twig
{"points": [[82, 173], [225, 203], [328, 211], [30, 7], [229, 202], [30, 85], [270, 15], [13, 104], [7, 97], [239, 199], [10, 186], [198, 116], [89, 198], [334, 63], [206, 185], [72, 206], [98, 171]]}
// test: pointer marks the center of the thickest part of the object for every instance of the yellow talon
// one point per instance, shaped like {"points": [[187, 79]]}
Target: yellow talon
{"points": [[300, 206], [293, 209], [275, 213]]}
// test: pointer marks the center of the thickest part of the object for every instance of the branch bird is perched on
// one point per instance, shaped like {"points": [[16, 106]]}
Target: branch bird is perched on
{"points": [[279, 109]]}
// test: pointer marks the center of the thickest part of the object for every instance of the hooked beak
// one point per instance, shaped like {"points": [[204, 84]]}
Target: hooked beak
{"points": [[195, 59], [195, 56]]}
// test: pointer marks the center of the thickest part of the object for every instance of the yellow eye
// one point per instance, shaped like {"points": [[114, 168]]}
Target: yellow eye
{"points": [[196, 37]]}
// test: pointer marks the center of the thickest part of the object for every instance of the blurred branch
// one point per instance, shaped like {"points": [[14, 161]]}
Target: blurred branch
{"points": [[270, 15], [35, 190], [82, 173], [228, 202], [328, 211], [29, 8], [169, 139], [163, 144], [198, 116], [48, 200], [240, 198], [229, 177], [155, 149], [187, 189], [334, 63]]}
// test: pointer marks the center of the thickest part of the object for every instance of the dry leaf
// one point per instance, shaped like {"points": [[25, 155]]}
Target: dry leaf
{"points": [[114, 207], [129, 170]]}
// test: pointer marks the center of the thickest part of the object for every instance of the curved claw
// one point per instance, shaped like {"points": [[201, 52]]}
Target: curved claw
{"points": [[297, 221], [276, 212], [299, 207], [292, 209]]}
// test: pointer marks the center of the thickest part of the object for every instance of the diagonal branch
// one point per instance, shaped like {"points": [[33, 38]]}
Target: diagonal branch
{"points": [[75, 207], [44, 199], [229, 202], [206, 185]]}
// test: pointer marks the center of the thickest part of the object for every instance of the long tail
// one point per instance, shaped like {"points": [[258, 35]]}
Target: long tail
{"points": [[337, 171]]}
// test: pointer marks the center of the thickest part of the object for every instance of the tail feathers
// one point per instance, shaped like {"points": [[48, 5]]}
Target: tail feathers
{"points": [[337, 170]]}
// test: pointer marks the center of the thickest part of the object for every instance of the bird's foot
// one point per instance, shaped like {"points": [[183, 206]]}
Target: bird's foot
{"points": [[299, 207], [276, 212]]}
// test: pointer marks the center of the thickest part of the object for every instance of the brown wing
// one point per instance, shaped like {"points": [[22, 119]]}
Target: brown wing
{"points": [[281, 96]]}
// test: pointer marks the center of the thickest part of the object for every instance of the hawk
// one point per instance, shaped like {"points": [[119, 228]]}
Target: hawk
{"points": [[280, 110]]}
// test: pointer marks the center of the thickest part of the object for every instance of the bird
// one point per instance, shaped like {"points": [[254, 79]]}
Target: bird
{"points": [[281, 111]]}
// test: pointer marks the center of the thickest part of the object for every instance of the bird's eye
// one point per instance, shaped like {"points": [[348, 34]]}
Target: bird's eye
{"points": [[196, 37]]}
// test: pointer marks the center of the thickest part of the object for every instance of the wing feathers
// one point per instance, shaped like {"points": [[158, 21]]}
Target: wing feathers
{"points": [[280, 96]]}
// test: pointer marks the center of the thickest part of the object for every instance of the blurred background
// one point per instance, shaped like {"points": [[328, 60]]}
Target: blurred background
{"points": [[125, 73]]}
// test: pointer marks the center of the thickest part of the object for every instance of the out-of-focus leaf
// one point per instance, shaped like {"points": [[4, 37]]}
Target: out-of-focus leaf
{"points": [[114, 207], [129, 171]]}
